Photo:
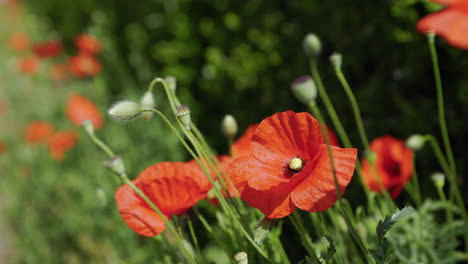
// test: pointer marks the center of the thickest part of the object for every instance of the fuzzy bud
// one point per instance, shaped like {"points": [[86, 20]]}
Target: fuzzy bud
{"points": [[183, 113], [262, 230], [312, 45], [415, 142], [88, 127], [304, 89], [124, 111], [229, 126], [241, 257], [147, 102], [336, 59], [115, 164], [171, 83], [439, 179]]}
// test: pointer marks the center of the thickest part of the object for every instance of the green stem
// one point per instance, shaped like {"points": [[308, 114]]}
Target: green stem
{"points": [[448, 211], [306, 241]]}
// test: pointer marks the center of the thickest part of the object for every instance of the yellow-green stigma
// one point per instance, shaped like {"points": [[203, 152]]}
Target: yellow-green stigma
{"points": [[295, 164]]}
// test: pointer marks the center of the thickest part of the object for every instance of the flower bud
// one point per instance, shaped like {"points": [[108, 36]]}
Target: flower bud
{"points": [[312, 45], [415, 142], [304, 89], [241, 257], [183, 113], [336, 59], [439, 179], [124, 111], [147, 102], [262, 230], [88, 127], [171, 83], [115, 164], [229, 126]]}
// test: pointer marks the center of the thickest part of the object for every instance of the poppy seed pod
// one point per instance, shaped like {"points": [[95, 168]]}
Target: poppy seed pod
{"points": [[304, 89], [147, 102], [415, 142], [183, 113], [312, 45], [124, 111], [336, 59], [241, 257], [229, 126]]}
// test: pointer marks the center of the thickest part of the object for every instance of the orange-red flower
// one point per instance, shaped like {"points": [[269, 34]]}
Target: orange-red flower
{"points": [[19, 41], [61, 142], [29, 65], [80, 109], [38, 131], [173, 187], [51, 49], [393, 165], [87, 44], [332, 137], [2, 147], [242, 146], [84, 65], [451, 23], [289, 167]]}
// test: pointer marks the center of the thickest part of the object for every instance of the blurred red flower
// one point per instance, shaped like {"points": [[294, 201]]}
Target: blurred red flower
{"points": [[19, 41], [38, 131], [58, 72], [450, 23], [29, 65], [84, 65], [289, 167], [2, 147], [61, 142], [80, 109], [393, 165], [87, 44], [51, 49], [173, 187]]}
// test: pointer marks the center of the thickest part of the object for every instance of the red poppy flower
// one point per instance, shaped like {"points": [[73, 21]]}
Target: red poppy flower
{"points": [[450, 23], [289, 167], [29, 65], [58, 72], [173, 187], [87, 44], [2, 147], [84, 65], [51, 49], [393, 165], [332, 137], [242, 146], [19, 41], [38, 131], [61, 142], [80, 109]]}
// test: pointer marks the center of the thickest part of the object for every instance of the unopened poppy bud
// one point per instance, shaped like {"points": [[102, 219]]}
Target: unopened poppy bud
{"points": [[312, 45], [147, 102], [439, 179], [415, 142], [183, 113], [262, 230], [124, 111], [295, 164], [336, 59], [304, 89], [171, 83], [115, 164], [88, 127], [241, 257], [229, 126]]}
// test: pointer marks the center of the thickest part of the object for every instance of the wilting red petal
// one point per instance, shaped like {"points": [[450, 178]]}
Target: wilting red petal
{"points": [[80, 109], [243, 145], [38, 131], [450, 23], [87, 44], [173, 187], [393, 165], [317, 192]]}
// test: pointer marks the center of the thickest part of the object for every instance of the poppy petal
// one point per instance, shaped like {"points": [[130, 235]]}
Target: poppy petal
{"points": [[243, 145], [317, 192]]}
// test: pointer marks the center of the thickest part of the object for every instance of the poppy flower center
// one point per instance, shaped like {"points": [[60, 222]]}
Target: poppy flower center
{"points": [[295, 164]]}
